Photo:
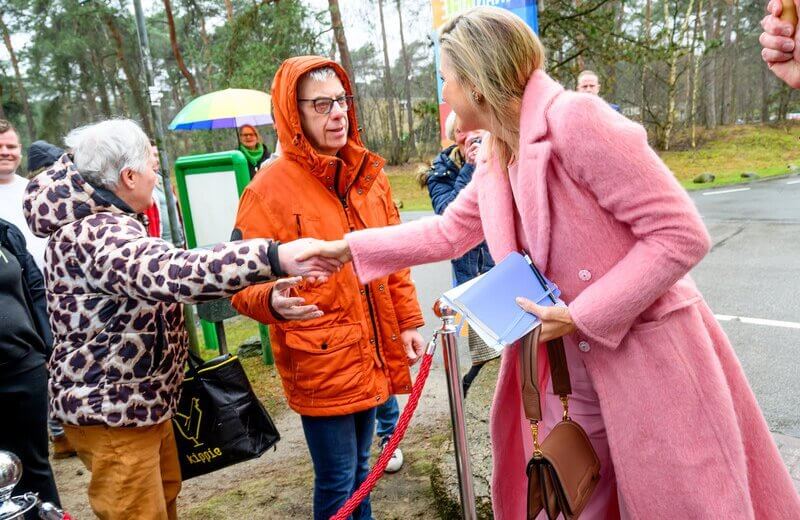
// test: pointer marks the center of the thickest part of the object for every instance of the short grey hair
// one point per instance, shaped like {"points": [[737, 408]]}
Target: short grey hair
{"points": [[322, 74], [102, 150], [450, 126]]}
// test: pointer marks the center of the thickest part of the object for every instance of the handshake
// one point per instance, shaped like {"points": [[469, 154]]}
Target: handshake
{"points": [[313, 259]]}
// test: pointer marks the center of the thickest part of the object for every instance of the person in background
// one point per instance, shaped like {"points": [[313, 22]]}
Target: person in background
{"points": [[589, 83], [25, 344], [252, 146], [12, 190], [114, 295], [780, 44], [354, 348], [450, 172], [656, 383], [161, 199]]}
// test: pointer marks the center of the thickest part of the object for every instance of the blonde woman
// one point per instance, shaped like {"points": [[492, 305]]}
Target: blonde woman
{"points": [[656, 383], [252, 146]]}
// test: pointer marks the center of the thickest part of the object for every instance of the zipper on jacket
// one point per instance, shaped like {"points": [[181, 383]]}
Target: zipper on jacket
{"points": [[343, 201]]}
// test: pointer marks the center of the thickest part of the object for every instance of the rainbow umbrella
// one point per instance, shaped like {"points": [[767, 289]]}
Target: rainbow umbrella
{"points": [[229, 108]]}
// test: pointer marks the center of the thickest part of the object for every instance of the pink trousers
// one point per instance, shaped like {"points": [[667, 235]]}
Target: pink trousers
{"points": [[584, 408]]}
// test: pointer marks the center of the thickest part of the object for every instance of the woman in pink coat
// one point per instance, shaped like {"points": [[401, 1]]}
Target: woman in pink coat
{"points": [[656, 383]]}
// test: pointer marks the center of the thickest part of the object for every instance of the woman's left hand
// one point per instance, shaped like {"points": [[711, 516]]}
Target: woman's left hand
{"points": [[556, 321]]}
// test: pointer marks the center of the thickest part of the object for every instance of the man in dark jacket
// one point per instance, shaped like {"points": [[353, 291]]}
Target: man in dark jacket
{"points": [[25, 344]]}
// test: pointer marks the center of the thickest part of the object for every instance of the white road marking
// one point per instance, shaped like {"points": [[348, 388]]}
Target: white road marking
{"points": [[793, 182], [759, 321], [721, 192]]}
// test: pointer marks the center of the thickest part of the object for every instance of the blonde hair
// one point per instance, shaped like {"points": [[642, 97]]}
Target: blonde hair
{"points": [[494, 53], [254, 129]]}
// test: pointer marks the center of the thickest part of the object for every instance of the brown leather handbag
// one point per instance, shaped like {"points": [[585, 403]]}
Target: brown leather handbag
{"points": [[564, 470]]}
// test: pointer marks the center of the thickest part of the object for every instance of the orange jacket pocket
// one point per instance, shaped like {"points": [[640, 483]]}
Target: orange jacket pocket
{"points": [[325, 363]]}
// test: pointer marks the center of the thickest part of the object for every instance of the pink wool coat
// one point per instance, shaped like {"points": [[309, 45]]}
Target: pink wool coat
{"points": [[606, 220]]}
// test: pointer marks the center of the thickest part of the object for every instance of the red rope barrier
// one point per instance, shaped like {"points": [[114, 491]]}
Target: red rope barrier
{"points": [[402, 425]]}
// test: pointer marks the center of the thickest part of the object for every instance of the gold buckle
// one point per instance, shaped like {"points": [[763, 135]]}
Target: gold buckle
{"points": [[537, 452], [565, 403]]}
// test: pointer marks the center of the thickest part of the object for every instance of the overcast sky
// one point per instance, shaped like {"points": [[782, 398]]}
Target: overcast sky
{"points": [[356, 14]]}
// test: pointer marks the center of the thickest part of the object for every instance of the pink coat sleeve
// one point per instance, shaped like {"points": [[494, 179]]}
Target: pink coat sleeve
{"points": [[380, 251], [613, 161]]}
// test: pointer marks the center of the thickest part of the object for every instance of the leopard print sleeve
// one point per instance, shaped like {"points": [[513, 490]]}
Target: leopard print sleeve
{"points": [[129, 264]]}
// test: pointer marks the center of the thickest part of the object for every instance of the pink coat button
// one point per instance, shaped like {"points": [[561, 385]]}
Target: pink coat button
{"points": [[585, 275]]}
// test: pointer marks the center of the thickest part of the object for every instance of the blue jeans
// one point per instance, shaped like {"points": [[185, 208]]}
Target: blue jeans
{"points": [[387, 416], [339, 447]]}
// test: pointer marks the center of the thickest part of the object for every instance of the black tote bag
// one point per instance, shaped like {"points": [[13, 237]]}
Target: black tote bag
{"points": [[219, 420]]}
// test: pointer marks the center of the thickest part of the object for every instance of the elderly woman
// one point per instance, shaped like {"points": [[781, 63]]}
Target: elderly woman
{"points": [[252, 146], [655, 382], [450, 172], [114, 298]]}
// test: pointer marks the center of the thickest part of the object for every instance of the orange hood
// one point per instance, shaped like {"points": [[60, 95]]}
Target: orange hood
{"points": [[287, 116]]}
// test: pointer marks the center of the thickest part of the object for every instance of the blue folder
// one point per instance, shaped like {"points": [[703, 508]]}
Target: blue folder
{"points": [[488, 302]]}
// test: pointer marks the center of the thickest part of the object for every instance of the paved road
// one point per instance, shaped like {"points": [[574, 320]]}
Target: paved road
{"points": [[753, 271]]}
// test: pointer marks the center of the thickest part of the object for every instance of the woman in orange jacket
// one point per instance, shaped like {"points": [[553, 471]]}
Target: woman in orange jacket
{"points": [[341, 348]]}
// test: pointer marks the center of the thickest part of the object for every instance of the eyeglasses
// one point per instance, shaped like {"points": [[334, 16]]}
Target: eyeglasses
{"points": [[247, 135], [325, 105]]}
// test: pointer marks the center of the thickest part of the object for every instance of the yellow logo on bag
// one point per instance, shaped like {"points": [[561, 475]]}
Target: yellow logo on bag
{"points": [[188, 425]]}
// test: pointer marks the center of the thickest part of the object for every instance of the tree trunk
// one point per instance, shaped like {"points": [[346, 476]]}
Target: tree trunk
{"points": [[734, 65], [100, 81], [412, 144], [676, 51], [344, 51], [727, 79], [176, 51], [23, 94], [130, 77], [695, 83], [229, 10], [765, 94], [389, 93], [2, 97], [648, 18], [710, 72]]}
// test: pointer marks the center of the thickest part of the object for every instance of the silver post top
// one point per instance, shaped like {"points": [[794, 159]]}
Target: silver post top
{"points": [[442, 309]]}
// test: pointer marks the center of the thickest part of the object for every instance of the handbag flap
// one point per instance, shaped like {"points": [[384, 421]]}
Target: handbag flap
{"points": [[568, 450]]}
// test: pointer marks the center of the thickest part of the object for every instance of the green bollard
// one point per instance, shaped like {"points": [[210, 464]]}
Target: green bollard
{"points": [[266, 345], [209, 335]]}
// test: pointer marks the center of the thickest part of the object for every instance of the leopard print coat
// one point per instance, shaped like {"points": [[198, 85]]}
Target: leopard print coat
{"points": [[114, 298]]}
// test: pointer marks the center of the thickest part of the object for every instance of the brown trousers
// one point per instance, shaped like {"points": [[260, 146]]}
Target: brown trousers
{"points": [[135, 471]]}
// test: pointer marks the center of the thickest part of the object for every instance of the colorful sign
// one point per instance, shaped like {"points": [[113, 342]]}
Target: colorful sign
{"points": [[444, 10]]}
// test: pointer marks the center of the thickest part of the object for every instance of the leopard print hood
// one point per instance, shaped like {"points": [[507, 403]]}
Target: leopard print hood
{"points": [[60, 196]]}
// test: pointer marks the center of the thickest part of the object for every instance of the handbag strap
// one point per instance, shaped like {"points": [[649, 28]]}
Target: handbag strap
{"points": [[559, 372]]}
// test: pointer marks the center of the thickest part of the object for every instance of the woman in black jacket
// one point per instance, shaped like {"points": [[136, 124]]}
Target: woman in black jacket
{"points": [[25, 344]]}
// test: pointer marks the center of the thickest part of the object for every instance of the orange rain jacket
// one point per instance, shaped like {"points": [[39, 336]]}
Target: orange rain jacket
{"points": [[351, 359]]}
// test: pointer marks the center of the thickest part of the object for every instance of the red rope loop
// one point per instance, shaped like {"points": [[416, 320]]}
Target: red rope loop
{"points": [[402, 425]]}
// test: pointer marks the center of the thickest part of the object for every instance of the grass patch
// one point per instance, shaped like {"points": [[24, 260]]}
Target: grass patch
{"points": [[727, 152], [406, 189]]}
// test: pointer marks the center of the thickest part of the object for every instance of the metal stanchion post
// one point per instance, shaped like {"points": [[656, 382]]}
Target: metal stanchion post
{"points": [[448, 335]]}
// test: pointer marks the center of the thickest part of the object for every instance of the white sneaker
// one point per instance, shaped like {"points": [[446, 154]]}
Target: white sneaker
{"points": [[396, 462]]}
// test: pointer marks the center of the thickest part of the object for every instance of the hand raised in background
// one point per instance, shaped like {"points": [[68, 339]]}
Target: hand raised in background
{"points": [[780, 44]]}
